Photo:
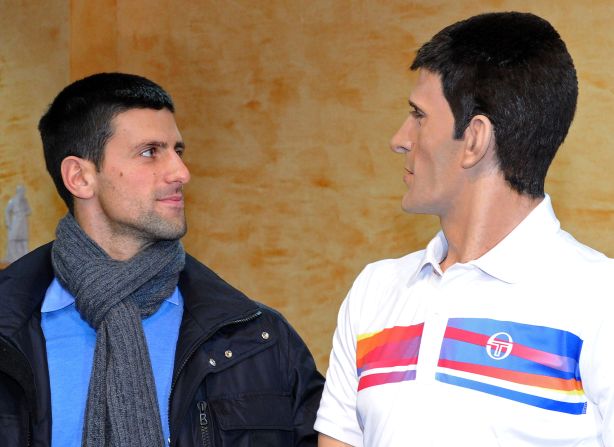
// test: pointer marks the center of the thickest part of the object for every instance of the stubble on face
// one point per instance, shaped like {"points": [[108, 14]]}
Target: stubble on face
{"points": [[152, 227], [142, 222]]}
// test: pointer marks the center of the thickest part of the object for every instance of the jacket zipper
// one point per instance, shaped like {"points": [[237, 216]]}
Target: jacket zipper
{"points": [[204, 423], [191, 353]]}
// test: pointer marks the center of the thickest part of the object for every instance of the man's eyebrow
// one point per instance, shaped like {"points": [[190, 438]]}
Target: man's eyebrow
{"points": [[413, 104], [154, 143], [160, 144]]}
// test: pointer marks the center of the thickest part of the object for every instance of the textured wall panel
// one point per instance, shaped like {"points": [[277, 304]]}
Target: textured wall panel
{"points": [[287, 108], [34, 66]]}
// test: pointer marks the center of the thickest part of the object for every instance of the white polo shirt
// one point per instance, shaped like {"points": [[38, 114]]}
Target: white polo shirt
{"points": [[513, 349]]}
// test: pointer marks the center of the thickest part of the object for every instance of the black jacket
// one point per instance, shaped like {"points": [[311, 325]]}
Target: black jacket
{"points": [[242, 375]]}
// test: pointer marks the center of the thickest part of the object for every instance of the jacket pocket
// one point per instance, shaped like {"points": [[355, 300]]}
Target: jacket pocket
{"points": [[254, 420]]}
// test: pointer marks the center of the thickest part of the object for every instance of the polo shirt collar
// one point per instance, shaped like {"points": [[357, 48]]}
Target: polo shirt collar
{"points": [[57, 297], [508, 260], [435, 252], [513, 258]]}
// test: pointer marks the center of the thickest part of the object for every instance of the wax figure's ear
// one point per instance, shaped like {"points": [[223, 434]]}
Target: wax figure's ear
{"points": [[79, 176], [479, 141]]}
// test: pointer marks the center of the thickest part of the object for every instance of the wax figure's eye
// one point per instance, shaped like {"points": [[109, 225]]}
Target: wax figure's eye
{"points": [[417, 114]]}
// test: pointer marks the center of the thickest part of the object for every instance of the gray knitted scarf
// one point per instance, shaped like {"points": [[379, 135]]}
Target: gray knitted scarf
{"points": [[113, 296]]}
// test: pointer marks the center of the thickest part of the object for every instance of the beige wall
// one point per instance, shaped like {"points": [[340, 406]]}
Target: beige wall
{"points": [[34, 66], [287, 108]]}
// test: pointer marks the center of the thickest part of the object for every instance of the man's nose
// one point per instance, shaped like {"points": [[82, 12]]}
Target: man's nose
{"points": [[400, 142], [178, 171]]}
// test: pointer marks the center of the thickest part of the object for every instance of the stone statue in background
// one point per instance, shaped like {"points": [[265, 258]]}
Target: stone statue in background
{"points": [[16, 219]]}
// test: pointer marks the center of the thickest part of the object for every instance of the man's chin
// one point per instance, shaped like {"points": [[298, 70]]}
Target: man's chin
{"points": [[174, 233], [165, 230], [409, 206]]}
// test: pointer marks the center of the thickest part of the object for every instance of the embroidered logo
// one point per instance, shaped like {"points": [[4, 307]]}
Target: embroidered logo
{"points": [[499, 345]]}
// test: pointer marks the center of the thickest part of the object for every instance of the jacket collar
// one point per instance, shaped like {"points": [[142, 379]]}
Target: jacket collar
{"points": [[209, 299]]}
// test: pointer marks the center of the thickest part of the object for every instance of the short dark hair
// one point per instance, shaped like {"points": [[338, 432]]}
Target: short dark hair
{"points": [[515, 69], [79, 120]]}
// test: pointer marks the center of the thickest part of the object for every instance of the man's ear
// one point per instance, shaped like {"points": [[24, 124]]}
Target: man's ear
{"points": [[79, 176], [479, 140]]}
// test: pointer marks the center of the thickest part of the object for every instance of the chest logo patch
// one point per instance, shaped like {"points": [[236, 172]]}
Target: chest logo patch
{"points": [[538, 367], [499, 345]]}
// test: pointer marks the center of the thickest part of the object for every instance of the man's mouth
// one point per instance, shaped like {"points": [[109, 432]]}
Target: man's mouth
{"points": [[173, 200]]}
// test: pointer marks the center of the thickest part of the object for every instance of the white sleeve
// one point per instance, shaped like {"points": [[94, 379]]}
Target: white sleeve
{"points": [[337, 413], [598, 379]]}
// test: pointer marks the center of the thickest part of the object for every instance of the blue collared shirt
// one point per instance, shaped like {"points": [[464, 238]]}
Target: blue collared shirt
{"points": [[70, 351]]}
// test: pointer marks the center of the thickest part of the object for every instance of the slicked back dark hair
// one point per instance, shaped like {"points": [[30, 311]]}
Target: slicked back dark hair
{"points": [[513, 68], [79, 120]]}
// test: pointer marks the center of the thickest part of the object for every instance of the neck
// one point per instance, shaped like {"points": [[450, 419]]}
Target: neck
{"points": [[481, 219], [119, 246]]}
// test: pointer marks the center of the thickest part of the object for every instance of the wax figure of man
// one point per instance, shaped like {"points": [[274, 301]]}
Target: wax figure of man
{"points": [[112, 335], [499, 333]]}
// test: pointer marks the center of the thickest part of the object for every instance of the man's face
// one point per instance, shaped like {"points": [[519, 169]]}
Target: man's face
{"points": [[139, 186], [432, 156]]}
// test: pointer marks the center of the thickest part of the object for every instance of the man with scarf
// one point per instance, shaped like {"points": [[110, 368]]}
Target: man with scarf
{"points": [[112, 335]]}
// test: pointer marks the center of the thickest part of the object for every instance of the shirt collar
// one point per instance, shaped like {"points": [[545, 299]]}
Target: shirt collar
{"points": [[57, 297], [511, 258], [434, 253], [506, 261]]}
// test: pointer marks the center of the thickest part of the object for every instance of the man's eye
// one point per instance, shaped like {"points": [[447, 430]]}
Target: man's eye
{"points": [[148, 153], [416, 113], [180, 151]]}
